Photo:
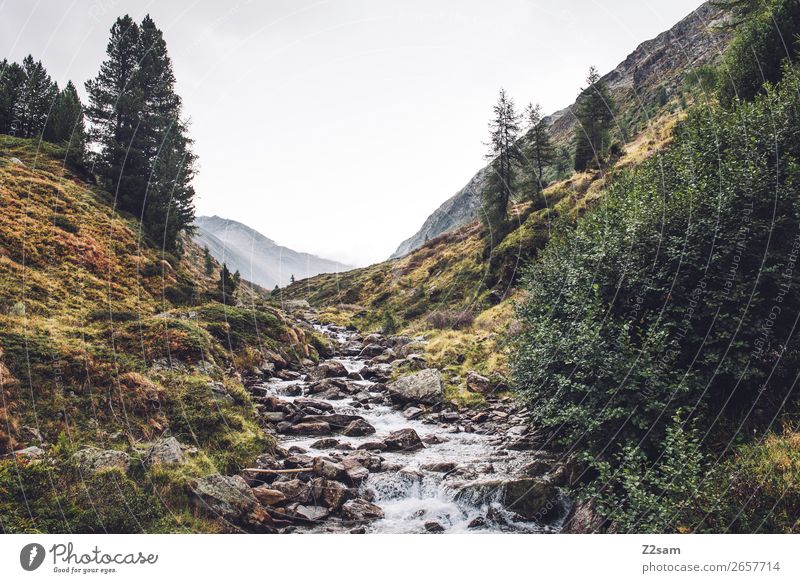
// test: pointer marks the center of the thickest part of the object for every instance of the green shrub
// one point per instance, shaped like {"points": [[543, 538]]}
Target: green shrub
{"points": [[644, 496], [765, 40]]}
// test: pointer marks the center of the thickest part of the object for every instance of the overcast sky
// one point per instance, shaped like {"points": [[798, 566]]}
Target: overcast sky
{"points": [[337, 127]]}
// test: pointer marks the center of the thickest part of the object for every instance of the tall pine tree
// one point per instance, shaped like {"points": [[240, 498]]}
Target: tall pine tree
{"points": [[115, 110], [65, 124], [146, 155], [595, 112], [11, 79], [169, 207], [504, 154], [34, 100], [539, 151]]}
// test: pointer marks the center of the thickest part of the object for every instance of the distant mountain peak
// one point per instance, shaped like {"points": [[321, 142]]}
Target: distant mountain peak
{"points": [[258, 258]]}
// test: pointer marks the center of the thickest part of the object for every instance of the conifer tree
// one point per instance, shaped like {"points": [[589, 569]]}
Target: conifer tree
{"points": [[35, 98], [595, 113], [227, 284], [167, 147], [504, 154], [208, 261], [115, 110], [540, 151], [146, 154], [65, 123], [11, 79]]}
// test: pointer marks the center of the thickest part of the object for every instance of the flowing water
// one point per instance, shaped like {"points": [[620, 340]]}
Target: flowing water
{"points": [[415, 493]]}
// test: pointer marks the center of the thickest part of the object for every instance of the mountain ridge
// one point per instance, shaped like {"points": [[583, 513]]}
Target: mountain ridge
{"points": [[258, 258], [656, 64]]}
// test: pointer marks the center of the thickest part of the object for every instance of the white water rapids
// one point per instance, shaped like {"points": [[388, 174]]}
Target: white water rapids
{"points": [[414, 493]]}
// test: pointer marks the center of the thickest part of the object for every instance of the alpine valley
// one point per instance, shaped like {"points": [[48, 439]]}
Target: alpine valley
{"points": [[595, 334]]}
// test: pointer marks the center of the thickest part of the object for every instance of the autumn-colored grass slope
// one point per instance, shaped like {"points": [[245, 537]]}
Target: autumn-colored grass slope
{"points": [[107, 342]]}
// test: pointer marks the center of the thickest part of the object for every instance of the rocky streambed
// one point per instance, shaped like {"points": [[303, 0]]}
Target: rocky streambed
{"points": [[362, 453]]}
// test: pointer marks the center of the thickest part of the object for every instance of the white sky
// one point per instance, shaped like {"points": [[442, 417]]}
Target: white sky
{"points": [[337, 127]]}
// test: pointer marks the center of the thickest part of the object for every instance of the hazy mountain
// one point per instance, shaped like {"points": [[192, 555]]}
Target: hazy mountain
{"points": [[657, 67], [258, 258]]}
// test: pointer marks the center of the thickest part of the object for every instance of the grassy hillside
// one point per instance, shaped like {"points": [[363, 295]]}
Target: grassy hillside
{"points": [[106, 342]]}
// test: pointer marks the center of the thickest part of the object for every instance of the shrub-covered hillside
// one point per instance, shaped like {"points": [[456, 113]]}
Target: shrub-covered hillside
{"points": [[106, 342], [659, 338]]}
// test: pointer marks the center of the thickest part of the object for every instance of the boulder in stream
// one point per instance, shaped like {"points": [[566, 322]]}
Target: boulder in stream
{"points": [[294, 490], [358, 428], [326, 370], [311, 428], [360, 510], [403, 440], [422, 387]]}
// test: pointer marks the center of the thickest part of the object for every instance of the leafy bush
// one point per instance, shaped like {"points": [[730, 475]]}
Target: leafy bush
{"points": [[389, 325], [765, 40], [640, 495]]}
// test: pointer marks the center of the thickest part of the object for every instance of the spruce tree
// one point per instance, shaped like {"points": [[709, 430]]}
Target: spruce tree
{"points": [[504, 154], [146, 154], [595, 113], [539, 151], [169, 208], [65, 124], [11, 79], [208, 261], [227, 284], [115, 111], [35, 98]]}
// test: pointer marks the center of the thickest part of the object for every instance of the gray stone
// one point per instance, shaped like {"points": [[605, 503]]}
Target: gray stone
{"points": [[268, 496], [422, 387], [326, 370], [328, 469], [325, 443], [371, 351], [328, 493], [358, 428], [478, 383], [434, 527], [93, 460], [403, 440], [226, 497], [312, 513], [412, 412], [294, 490], [360, 510], [356, 473], [164, 451], [311, 428]]}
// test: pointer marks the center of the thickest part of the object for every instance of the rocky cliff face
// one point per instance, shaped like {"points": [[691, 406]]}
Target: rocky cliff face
{"points": [[656, 68], [258, 258]]}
